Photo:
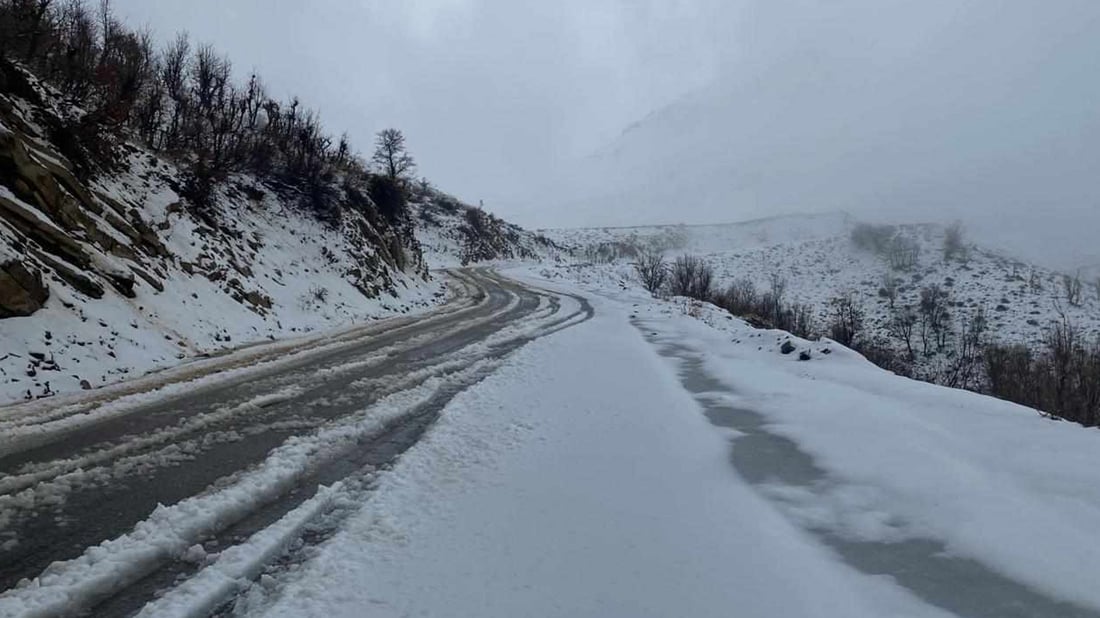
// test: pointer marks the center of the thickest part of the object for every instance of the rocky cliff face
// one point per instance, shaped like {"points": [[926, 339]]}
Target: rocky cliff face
{"points": [[105, 269]]}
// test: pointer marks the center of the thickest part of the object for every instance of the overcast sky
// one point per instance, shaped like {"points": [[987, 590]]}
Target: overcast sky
{"points": [[490, 93], [979, 110]]}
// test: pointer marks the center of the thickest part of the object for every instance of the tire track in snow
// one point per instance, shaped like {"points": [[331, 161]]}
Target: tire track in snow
{"points": [[437, 377]]}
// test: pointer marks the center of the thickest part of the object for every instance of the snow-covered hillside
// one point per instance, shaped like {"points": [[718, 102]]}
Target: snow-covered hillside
{"points": [[816, 258], [451, 233], [610, 242], [107, 277]]}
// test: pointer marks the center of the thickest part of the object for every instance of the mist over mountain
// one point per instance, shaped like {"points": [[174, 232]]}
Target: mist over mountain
{"points": [[886, 111]]}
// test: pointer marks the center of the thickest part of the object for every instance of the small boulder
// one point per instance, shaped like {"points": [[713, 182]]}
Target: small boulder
{"points": [[787, 347], [21, 291], [124, 283]]}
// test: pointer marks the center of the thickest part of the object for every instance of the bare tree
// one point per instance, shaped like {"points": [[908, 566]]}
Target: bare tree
{"points": [[692, 277], [903, 253], [934, 318], [890, 288], [901, 326], [652, 270], [847, 321], [961, 371], [1073, 288], [775, 297], [390, 155], [36, 16], [739, 298], [185, 101], [173, 71], [1062, 379]]}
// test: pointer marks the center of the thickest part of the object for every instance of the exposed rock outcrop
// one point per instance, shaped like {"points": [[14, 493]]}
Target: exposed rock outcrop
{"points": [[22, 292], [91, 232]]}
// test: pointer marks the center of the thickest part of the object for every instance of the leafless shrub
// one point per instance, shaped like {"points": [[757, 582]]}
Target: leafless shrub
{"points": [[935, 319], [1073, 289], [847, 319], [800, 321], [772, 302], [889, 289], [778, 287], [609, 251], [767, 310], [883, 355], [182, 102], [739, 298], [1011, 375], [963, 369], [903, 253], [652, 271], [692, 277], [1062, 380], [313, 298], [902, 324]]}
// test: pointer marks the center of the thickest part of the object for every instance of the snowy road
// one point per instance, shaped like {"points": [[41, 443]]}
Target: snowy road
{"points": [[651, 458], [233, 452], [664, 459]]}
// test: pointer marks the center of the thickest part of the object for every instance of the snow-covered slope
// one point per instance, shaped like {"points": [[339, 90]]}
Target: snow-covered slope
{"points": [[817, 259], [610, 242], [109, 276], [451, 233]]}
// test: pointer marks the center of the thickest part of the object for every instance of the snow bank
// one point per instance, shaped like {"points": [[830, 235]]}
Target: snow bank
{"points": [[995, 481]]}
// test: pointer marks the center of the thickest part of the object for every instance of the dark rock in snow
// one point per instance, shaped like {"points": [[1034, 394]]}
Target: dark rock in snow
{"points": [[787, 347], [21, 291]]}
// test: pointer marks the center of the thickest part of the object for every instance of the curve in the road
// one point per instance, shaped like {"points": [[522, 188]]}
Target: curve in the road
{"points": [[96, 484]]}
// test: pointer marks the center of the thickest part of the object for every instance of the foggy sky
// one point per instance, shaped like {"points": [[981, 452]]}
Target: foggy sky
{"points": [[986, 111]]}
